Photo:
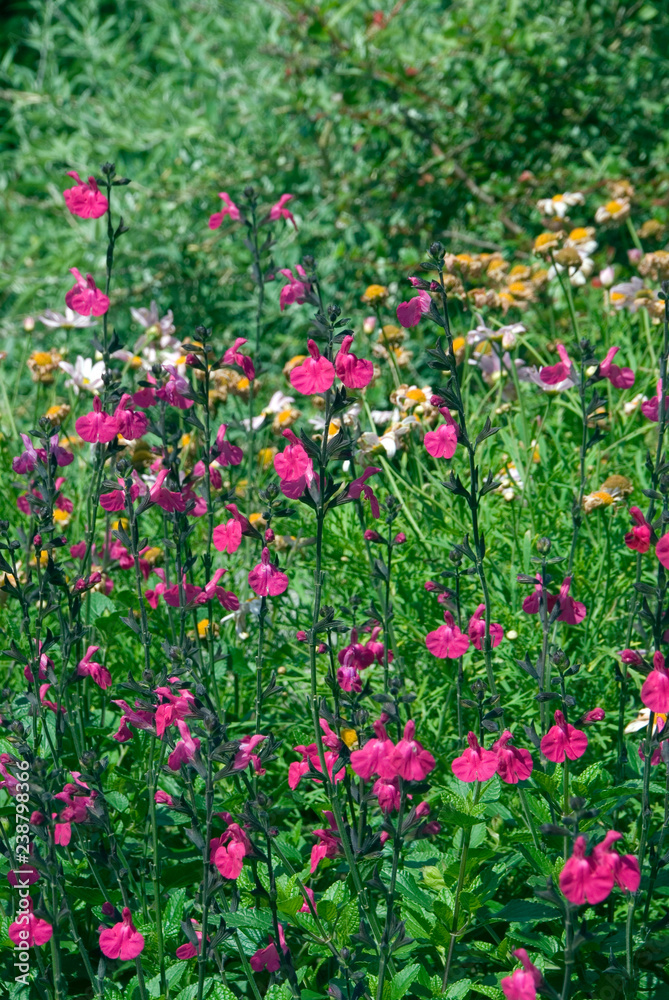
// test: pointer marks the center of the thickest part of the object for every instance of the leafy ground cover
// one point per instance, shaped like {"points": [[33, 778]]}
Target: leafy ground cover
{"points": [[334, 548]]}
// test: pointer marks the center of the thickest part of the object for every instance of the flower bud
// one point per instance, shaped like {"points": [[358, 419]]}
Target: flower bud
{"points": [[544, 546], [634, 256], [269, 536], [400, 538], [372, 536], [369, 324], [37, 541], [436, 249], [607, 276]]}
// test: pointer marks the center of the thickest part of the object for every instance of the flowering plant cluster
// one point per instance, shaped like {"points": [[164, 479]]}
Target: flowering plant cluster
{"points": [[336, 693]]}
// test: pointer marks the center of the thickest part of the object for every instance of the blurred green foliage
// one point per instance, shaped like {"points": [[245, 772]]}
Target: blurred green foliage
{"points": [[390, 124]]}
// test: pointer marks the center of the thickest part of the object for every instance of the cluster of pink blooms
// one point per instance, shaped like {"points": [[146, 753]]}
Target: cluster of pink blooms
{"points": [[277, 211], [357, 656], [316, 374], [589, 878], [448, 642], [572, 612]]}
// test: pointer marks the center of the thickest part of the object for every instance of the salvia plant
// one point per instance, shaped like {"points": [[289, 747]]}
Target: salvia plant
{"points": [[230, 767]]}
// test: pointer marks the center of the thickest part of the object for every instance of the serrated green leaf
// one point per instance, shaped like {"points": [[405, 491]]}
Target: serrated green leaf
{"points": [[400, 983]]}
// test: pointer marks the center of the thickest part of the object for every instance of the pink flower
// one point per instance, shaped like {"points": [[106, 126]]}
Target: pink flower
{"points": [[310, 759], [233, 356], [378, 649], [122, 940], [85, 199], [329, 843], [173, 707], [594, 715], [571, 612], [294, 467], [28, 931], [227, 537], [585, 878], [27, 461], [376, 756], [514, 764], [296, 291], [349, 679], [638, 539], [163, 798], [651, 408], [268, 958], [97, 426], [229, 208], [359, 487], [85, 297], [476, 629], [655, 688], [387, 791], [409, 313], [185, 749], [279, 210], [131, 425], [620, 378], [245, 754], [229, 859], [228, 454], [305, 908], [442, 442], [563, 740], [522, 984], [447, 641], [188, 950], [476, 763], [89, 668], [354, 372], [266, 579], [410, 759], [356, 654], [212, 591], [315, 374], [175, 389], [662, 551], [625, 867], [168, 500], [554, 374]]}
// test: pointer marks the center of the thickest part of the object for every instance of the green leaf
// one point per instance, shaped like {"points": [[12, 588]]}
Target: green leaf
{"points": [[400, 983], [432, 877], [118, 800], [458, 991], [173, 913], [522, 911], [99, 603]]}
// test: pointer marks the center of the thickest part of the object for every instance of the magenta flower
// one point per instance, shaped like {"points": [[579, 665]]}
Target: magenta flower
{"points": [[329, 843], [28, 931], [447, 641], [233, 356], [625, 867], [442, 442], [476, 763], [305, 908], [296, 291], [410, 759], [378, 649], [211, 591], [387, 791], [123, 940], [245, 754], [85, 199], [85, 297], [554, 374], [375, 757], [266, 579], [185, 749], [279, 210], [523, 983], [131, 425], [229, 858], [175, 389], [476, 629], [620, 378], [651, 408], [349, 679], [89, 668], [163, 798], [173, 707], [310, 759], [356, 654], [514, 764], [315, 374], [563, 740], [160, 495], [662, 551], [268, 958], [27, 461], [571, 612], [227, 537], [293, 466], [354, 372], [586, 878], [594, 715], [229, 208], [409, 313], [532, 602], [638, 539], [359, 488], [115, 499], [655, 688], [96, 426], [188, 950], [228, 454]]}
